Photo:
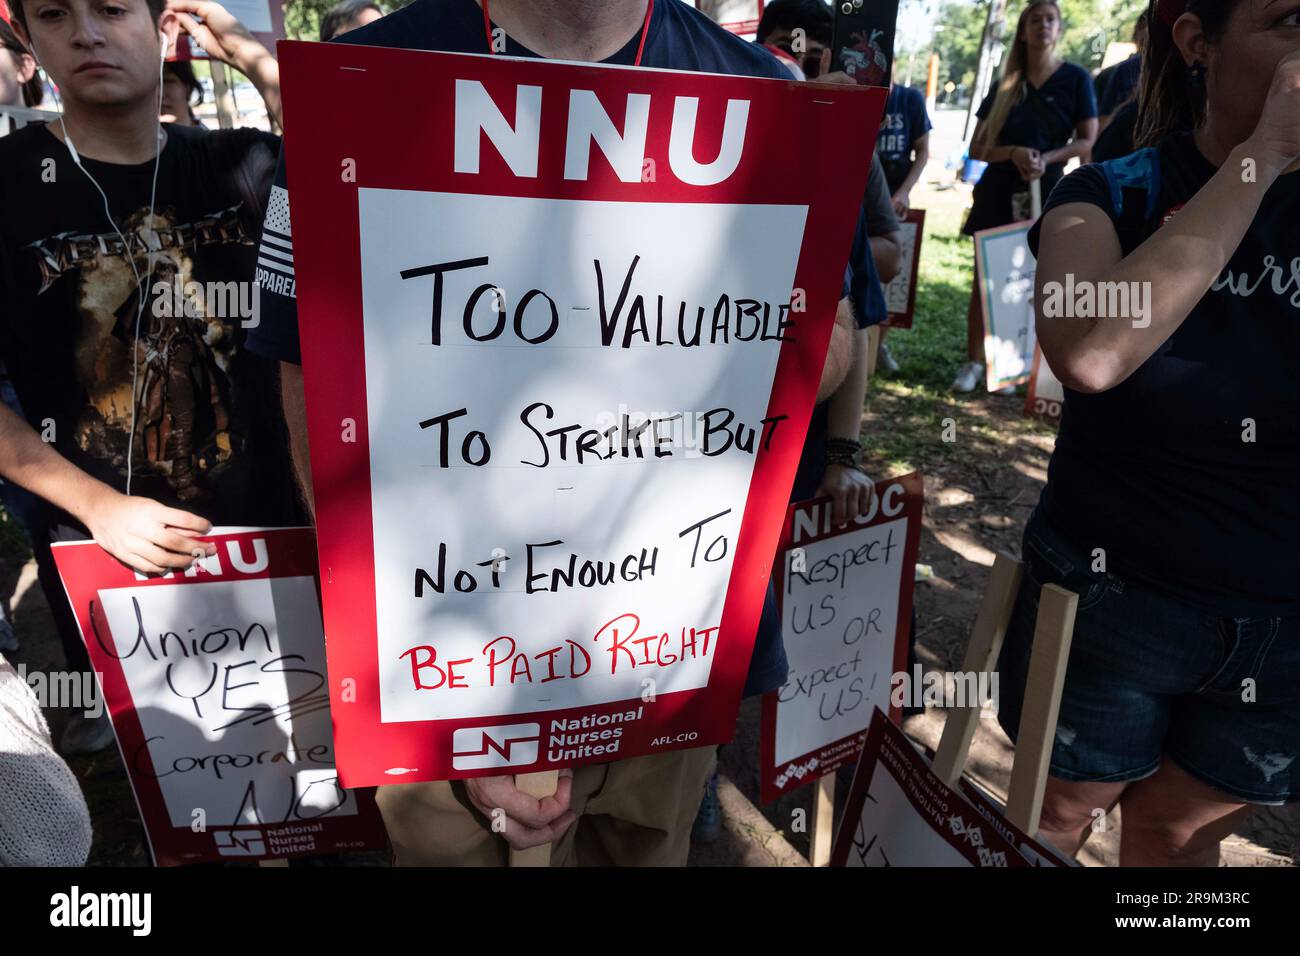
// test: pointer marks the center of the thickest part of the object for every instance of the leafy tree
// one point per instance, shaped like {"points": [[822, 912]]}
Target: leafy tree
{"points": [[302, 17], [1090, 25]]}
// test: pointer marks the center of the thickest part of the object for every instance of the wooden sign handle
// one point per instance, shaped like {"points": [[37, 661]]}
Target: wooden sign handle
{"points": [[823, 821], [222, 93], [1053, 632], [981, 657], [542, 784]]}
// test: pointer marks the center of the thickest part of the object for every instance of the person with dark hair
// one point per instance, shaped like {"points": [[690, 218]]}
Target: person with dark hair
{"points": [[20, 84], [1124, 81], [348, 16], [181, 93], [1172, 505], [1041, 115], [1116, 139], [1118, 84], [144, 421], [803, 29]]}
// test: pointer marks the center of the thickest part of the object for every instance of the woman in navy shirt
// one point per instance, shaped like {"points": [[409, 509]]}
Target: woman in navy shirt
{"points": [[1043, 113], [1172, 505]]}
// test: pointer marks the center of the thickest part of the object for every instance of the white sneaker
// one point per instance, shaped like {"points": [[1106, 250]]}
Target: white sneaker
{"points": [[885, 360], [968, 377], [86, 735]]}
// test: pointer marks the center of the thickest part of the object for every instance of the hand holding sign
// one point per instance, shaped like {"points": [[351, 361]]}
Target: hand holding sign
{"points": [[850, 490], [144, 534], [528, 821]]}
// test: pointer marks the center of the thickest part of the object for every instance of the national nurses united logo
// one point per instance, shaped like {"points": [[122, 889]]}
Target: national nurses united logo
{"points": [[240, 842], [509, 745]]}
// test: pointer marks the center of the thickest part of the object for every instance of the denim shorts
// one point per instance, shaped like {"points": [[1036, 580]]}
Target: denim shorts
{"points": [[1150, 676]]}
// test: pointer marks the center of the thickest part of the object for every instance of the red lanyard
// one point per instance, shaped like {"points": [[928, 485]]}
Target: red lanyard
{"points": [[645, 30]]}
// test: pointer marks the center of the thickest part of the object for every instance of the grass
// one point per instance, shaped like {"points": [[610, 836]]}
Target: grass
{"points": [[907, 412]]}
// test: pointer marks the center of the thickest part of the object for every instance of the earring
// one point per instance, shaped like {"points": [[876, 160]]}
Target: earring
{"points": [[1196, 74]]}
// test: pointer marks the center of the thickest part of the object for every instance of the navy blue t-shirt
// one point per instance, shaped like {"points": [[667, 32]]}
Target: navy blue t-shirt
{"points": [[679, 38], [1187, 473], [905, 121], [1045, 120], [1121, 86]]}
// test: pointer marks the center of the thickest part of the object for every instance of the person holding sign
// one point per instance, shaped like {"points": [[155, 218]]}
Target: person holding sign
{"points": [[631, 811], [1042, 114], [121, 242], [1171, 505]]}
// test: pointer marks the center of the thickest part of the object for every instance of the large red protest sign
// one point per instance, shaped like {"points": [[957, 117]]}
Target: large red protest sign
{"points": [[215, 683], [846, 605], [562, 327]]}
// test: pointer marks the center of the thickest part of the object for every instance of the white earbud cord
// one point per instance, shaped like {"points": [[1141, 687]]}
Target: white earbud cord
{"points": [[126, 248]]}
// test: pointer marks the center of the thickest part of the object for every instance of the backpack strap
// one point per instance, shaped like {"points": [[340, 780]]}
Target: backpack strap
{"points": [[1134, 182]]}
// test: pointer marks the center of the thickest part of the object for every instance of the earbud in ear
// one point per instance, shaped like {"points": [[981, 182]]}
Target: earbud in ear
{"points": [[163, 36]]}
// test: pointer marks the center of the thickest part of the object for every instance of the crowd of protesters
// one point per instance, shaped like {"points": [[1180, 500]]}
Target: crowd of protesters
{"points": [[1176, 531]]}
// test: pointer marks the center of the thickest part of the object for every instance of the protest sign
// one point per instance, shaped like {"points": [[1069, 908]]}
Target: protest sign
{"points": [[263, 18], [215, 683], [899, 813], [562, 327], [1004, 267], [900, 294], [1046, 394], [1036, 852], [846, 605]]}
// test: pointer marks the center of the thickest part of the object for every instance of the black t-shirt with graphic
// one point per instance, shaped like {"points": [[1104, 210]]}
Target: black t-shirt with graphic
{"points": [[1187, 473], [207, 434]]}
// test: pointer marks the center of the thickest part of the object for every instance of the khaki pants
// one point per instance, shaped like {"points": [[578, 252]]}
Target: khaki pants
{"points": [[635, 812]]}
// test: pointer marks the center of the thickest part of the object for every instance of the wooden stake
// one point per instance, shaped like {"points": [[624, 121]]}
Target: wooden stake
{"points": [[873, 350], [542, 784], [221, 92], [823, 821], [1053, 632], [981, 657]]}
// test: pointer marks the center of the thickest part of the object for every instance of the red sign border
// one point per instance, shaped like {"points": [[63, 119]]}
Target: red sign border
{"points": [[348, 77], [914, 511], [904, 320], [85, 569], [869, 764]]}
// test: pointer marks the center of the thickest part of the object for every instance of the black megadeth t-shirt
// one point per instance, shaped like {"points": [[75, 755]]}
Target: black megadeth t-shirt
{"points": [[197, 411]]}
